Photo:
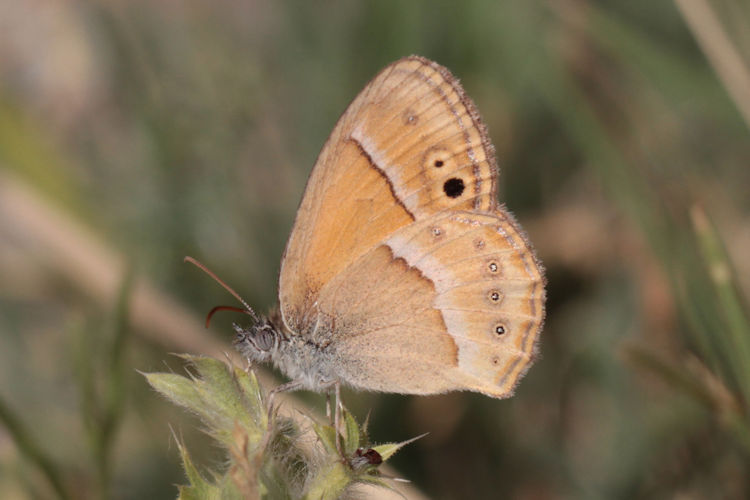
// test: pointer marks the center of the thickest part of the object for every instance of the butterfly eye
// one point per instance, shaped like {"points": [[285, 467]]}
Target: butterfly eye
{"points": [[500, 330], [264, 339]]}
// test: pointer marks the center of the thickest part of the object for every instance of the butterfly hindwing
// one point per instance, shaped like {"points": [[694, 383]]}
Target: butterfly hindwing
{"points": [[456, 297]]}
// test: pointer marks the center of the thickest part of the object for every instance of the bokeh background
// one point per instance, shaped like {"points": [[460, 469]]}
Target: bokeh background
{"points": [[133, 133]]}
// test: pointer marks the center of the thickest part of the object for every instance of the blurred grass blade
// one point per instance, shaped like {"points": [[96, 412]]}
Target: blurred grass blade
{"points": [[26, 148], [696, 381], [29, 449], [98, 368], [113, 400], [675, 376], [617, 159], [723, 55], [728, 298]]}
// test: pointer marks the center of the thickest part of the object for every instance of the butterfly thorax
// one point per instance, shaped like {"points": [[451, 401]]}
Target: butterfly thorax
{"points": [[269, 341]]}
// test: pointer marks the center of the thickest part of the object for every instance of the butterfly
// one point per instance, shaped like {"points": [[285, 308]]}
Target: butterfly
{"points": [[402, 272]]}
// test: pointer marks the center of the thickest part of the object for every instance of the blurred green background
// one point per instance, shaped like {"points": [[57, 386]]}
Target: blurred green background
{"points": [[135, 133]]}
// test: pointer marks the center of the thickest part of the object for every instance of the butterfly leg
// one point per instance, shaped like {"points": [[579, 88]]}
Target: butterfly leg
{"points": [[337, 418], [291, 386], [336, 386], [287, 387]]}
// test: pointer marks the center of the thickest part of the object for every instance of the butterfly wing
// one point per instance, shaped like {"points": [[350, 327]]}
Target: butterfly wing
{"points": [[410, 145], [400, 265], [451, 302]]}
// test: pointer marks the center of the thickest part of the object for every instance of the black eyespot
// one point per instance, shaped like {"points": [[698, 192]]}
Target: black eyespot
{"points": [[479, 243], [495, 360], [500, 330], [436, 156], [494, 296], [454, 187], [436, 231], [492, 266]]}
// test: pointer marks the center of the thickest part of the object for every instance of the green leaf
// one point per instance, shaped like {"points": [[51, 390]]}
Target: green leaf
{"points": [[329, 482], [327, 436], [199, 488], [273, 461], [176, 388], [351, 442], [221, 396], [387, 450]]}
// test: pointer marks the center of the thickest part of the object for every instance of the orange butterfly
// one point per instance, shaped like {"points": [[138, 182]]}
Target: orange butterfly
{"points": [[402, 273]]}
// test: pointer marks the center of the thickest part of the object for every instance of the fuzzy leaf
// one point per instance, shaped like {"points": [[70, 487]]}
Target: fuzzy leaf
{"points": [[351, 442], [387, 450], [248, 384], [199, 488], [176, 388], [329, 482], [225, 401], [264, 460], [222, 397], [327, 436]]}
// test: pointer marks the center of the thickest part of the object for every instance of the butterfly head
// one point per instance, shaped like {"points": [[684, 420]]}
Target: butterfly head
{"points": [[259, 342]]}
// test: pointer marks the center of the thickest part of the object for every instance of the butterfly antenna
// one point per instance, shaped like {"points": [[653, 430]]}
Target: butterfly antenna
{"points": [[227, 308], [248, 310]]}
